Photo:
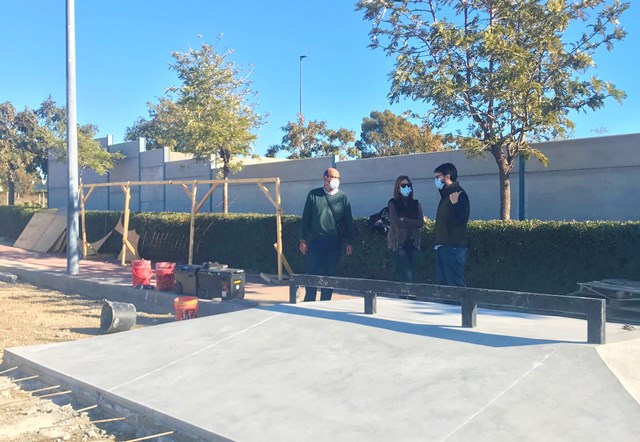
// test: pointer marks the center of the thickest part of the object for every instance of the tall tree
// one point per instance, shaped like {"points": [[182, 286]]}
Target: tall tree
{"points": [[22, 141], [512, 69], [212, 114], [143, 128], [314, 139], [385, 133], [91, 155]]}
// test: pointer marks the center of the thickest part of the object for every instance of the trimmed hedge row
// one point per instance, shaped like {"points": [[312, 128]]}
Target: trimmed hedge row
{"points": [[13, 220], [536, 256]]}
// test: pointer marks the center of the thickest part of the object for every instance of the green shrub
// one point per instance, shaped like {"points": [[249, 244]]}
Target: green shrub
{"points": [[13, 220]]}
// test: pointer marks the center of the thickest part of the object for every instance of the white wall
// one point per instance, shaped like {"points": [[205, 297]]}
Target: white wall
{"points": [[587, 179]]}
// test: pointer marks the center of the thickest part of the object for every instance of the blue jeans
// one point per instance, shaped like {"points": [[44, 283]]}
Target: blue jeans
{"points": [[323, 255], [405, 258], [450, 262]]}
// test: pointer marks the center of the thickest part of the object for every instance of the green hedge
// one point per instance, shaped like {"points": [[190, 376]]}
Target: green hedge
{"points": [[537, 256], [13, 220]]}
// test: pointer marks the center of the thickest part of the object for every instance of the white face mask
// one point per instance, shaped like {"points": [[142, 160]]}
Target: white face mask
{"points": [[334, 183], [439, 184]]}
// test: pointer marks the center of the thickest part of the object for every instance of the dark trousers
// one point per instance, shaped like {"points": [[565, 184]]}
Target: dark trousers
{"points": [[322, 258], [405, 258], [450, 262]]}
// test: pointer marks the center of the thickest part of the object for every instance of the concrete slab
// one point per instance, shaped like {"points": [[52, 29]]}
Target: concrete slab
{"points": [[325, 372]]}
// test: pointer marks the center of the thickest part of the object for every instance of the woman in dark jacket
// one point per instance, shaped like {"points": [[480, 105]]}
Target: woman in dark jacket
{"points": [[405, 215]]}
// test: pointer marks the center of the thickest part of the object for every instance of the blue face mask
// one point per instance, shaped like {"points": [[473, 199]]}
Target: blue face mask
{"points": [[439, 184], [405, 191]]}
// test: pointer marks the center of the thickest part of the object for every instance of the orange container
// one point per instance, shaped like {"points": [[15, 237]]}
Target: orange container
{"points": [[186, 307], [141, 272], [165, 278]]}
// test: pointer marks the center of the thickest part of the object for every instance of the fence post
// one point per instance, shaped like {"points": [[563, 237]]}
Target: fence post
{"points": [[596, 320], [469, 310]]}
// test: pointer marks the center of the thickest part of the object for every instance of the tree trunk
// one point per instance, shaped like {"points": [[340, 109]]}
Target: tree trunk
{"points": [[505, 190], [11, 195], [225, 190]]}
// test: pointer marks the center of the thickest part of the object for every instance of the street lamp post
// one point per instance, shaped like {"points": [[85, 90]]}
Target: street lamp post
{"points": [[73, 227], [301, 57]]}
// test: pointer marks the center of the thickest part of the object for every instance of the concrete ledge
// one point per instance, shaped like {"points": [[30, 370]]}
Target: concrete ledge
{"points": [[149, 301]]}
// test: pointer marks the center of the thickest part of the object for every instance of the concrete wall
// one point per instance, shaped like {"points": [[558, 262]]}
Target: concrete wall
{"points": [[587, 179], [592, 178]]}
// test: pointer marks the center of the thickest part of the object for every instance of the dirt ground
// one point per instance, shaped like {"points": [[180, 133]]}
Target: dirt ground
{"points": [[30, 315]]}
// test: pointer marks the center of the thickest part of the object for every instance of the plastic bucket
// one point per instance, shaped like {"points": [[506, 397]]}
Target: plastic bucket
{"points": [[141, 272], [165, 279], [117, 316], [186, 307]]}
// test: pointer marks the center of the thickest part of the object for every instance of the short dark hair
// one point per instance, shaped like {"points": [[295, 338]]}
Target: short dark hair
{"points": [[447, 169], [396, 188]]}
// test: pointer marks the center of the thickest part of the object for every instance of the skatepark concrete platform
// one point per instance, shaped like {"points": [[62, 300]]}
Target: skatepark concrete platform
{"points": [[325, 372], [270, 371]]}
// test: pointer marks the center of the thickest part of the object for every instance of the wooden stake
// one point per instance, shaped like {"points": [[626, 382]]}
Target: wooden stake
{"points": [[43, 389], [127, 198], [153, 436], [284, 260], [37, 397], [55, 424], [25, 379], [8, 370], [114, 419]]}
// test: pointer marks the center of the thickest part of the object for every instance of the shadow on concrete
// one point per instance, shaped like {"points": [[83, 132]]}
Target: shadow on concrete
{"points": [[452, 333], [91, 331]]}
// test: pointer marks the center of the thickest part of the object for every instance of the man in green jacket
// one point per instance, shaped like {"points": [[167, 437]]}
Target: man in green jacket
{"points": [[326, 220], [451, 227]]}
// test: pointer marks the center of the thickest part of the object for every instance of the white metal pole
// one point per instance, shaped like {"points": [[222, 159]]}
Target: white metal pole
{"points": [[73, 230]]}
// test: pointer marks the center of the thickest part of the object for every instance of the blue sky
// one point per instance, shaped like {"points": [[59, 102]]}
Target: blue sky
{"points": [[123, 52]]}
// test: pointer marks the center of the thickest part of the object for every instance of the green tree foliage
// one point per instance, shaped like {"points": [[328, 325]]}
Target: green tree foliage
{"points": [[91, 155], [22, 143], [512, 69], [210, 115], [147, 129], [385, 133], [314, 139]]}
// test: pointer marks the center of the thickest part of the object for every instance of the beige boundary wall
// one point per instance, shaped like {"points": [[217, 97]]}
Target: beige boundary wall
{"points": [[587, 179]]}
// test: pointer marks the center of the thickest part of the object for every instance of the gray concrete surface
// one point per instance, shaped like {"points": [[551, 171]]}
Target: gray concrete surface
{"points": [[325, 372]]}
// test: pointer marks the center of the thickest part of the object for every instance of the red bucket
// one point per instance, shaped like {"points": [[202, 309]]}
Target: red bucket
{"points": [[141, 272], [186, 307], [165, 278]]}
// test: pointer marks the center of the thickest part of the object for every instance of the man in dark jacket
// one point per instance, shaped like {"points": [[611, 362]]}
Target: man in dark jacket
{"points": [[325, 209], [451, 227]]}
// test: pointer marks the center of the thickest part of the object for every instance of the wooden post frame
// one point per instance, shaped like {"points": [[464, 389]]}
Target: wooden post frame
{"points": [[125, 229], [195, 207]]}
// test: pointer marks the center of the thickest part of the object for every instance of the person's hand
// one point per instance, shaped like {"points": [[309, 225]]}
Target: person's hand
{"points": [[303, 247], [349, 250], [454, 197]]}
